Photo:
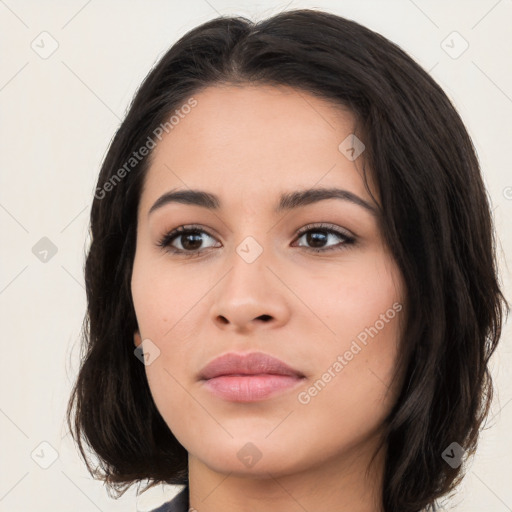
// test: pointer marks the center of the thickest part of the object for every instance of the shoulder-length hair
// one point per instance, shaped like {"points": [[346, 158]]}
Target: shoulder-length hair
{"points": [[434, 214]]}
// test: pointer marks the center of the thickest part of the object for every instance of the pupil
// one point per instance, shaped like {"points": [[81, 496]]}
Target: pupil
{"points": [[196, 243], [313, 238]]}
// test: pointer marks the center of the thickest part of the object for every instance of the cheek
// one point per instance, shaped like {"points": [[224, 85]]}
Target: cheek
{"points": [[353, 297], [361, 307], [164, 299], [168, 305], [350, 395]]}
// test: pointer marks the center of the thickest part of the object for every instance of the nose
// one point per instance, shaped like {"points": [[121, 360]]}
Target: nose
{"points": [[250, 297]]}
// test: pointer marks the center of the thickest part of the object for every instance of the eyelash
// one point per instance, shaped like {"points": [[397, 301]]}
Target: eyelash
{"points": [[168, 238]]}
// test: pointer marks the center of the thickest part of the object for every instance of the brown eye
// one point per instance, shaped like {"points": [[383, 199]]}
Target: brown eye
{"points": [[187, 241], [316, 237]]}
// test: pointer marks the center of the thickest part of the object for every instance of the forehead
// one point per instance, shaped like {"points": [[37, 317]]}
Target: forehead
{"points": [[254, 142]]}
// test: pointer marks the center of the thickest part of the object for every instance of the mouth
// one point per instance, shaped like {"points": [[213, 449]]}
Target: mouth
{"points": [[250, 388], [249, 378]]}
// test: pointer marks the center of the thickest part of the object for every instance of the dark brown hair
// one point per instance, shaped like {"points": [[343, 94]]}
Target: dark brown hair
{"points": [[435, 218]]}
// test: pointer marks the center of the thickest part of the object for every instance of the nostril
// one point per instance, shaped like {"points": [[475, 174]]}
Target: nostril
{"points": [[265, 317]]}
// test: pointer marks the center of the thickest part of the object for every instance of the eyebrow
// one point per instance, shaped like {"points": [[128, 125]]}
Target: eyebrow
{"points": [[287, 201]]}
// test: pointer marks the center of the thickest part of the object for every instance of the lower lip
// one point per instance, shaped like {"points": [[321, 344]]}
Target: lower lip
{"points": [[250, 388]]}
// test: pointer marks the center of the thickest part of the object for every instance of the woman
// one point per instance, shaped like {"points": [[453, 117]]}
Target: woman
{"points": [[292, 286]]}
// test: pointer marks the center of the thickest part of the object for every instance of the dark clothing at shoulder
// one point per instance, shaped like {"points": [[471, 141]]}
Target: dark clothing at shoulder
{"points": [[178, 504]]}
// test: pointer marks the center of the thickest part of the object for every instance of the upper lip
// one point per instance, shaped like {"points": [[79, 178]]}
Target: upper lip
{"points": [[255, 363]]}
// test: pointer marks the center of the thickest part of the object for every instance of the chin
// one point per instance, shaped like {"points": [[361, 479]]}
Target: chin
{"points": [[253, 456]]}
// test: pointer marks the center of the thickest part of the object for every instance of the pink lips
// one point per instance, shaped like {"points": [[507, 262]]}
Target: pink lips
{"points": [[248, 377]]}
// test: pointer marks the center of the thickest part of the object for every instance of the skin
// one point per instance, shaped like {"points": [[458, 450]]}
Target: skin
{"points": [[248, 144]]}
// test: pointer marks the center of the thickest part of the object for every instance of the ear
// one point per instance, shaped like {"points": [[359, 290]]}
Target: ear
{"points": [[137, 340]]}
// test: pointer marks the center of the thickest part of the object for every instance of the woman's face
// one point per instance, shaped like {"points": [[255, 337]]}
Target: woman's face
{"points": [[302, 278]]}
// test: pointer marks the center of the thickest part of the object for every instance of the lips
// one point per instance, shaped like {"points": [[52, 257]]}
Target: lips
{"points": [[249, 377], [255, 363]]}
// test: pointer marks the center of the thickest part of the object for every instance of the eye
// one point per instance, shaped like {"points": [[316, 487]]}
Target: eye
{"points": [[188, 238], [319, 234]]}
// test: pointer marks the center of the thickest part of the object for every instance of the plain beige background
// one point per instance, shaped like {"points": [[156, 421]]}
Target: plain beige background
{"points": [[68, 73]]}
